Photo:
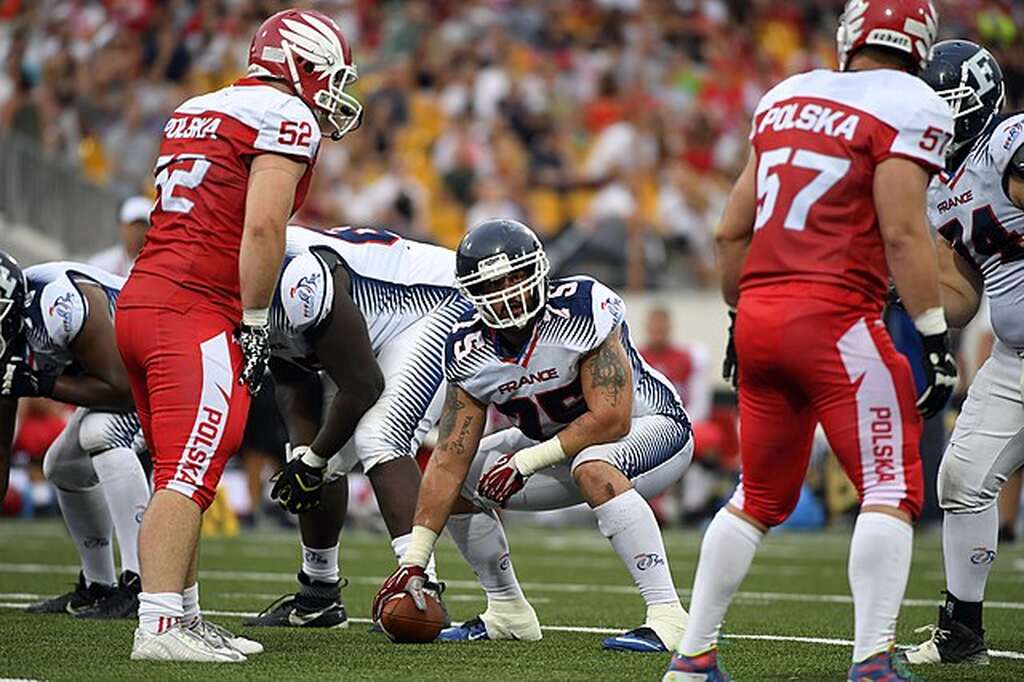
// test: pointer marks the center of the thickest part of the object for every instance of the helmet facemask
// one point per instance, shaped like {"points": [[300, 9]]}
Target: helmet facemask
{"points": [[321, 54], [964, 100], [516, 302], [11, 328]]}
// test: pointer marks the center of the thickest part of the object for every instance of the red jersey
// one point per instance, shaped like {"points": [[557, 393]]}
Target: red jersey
{"points": [[818, 137], [202, 173]]}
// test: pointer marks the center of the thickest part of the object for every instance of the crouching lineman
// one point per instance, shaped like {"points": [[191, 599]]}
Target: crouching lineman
{"points": [[372, 311], [594, 423], [65, 313], [978, 208]]}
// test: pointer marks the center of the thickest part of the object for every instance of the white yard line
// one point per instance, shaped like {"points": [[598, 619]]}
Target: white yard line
{"points": [[610, 631], [572, 588]]}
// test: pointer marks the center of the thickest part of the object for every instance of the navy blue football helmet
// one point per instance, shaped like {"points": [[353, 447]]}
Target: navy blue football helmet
{"points": [[969, 79], [500, 266], [13, 290]]}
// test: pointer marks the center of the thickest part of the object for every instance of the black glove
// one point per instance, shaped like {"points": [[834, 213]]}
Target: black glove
{"points": [[297, 486], [730, 367], [255, 343], [939, 374], [19, 380]]}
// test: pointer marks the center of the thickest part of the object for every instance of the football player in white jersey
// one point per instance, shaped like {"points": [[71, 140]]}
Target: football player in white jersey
{"points": [[594, 423], [60, 345], [977, 206], [366, 313]]}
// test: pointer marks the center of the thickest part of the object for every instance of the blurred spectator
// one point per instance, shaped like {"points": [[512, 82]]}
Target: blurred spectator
{"points": [[119, 258], [40, 421], [685, 365]]}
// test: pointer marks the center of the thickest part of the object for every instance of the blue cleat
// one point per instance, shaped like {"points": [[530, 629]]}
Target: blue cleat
{"points": [[470, 631], [642, 639], [700, 668], [882, 667]]}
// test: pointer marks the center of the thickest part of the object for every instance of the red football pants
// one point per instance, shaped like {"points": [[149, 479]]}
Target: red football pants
{"points": [[184, 368], [821, 357]]}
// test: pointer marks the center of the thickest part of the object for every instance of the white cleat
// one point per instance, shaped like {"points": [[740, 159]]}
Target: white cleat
{"points": [[179, 644], [219, 636], [514, 619]]}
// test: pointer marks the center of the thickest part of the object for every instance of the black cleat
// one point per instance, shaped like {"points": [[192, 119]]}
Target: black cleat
{"points": [[316, 605], [122, 603], [951, 642], [79, 599]]}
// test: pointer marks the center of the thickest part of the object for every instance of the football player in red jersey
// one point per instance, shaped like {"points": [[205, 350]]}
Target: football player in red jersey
{"points": [[192, 319], [830, 203]]}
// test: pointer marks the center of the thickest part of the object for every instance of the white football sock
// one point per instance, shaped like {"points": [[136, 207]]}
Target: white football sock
{"points": [[629, 524], [321, 564], [726, 552], [126, 490], [879, 567], [88, 521], [159, 611], [401, 543], [481, 541], [968, 550], [190, 605]]}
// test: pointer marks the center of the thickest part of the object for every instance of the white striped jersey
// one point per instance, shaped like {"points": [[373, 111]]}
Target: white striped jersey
{"points": [[539, 385], [394, 283], [970, 209], [57, 310]]}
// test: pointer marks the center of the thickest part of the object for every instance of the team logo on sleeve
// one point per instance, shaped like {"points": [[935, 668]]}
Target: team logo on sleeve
{"points": [[62, 308], [305, 290], [1012, 133]]}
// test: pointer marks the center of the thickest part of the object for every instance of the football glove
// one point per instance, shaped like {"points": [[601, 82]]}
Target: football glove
{"points": [[297, 486], [501, 481], [940, 374], [19, 380], [408, 579], [730, 367], [255, 343]]}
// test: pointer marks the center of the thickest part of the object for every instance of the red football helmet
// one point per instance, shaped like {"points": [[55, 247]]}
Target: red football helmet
{"points": [[306, 49], [903, 25]]}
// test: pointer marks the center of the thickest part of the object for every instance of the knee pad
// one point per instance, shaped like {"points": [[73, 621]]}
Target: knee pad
{"points": [[102, 431], [770, 512], [962, 489], [373, 447], [67, 467]]}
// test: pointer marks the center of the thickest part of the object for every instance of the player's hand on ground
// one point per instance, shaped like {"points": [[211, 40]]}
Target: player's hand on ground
{"points": [[255, 343], [405, 579], [940, 375], [501, 481], [730, 368], [19, 380], [297, 487]]}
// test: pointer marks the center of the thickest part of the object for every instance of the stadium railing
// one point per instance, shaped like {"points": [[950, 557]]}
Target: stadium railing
{"points": [[53, 198]]}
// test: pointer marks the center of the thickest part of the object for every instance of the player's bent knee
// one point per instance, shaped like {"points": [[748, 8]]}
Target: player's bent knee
{"points": [[68, 472], [102, 431], [599, 481], [958, 489]]}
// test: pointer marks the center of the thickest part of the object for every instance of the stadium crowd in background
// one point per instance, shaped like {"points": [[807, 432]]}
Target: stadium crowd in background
{"points": [[601, 123]]}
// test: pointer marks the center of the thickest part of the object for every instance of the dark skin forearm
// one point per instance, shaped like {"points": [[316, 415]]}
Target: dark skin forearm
{"points": [[345, 351], [299, 396], [8, 416], [103, 383], [459, 431]]}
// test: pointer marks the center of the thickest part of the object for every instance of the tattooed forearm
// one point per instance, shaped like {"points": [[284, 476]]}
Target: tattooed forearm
{"points": [[449, 413], [608, 370]]}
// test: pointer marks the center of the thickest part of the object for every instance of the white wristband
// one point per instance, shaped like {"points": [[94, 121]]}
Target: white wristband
{"points": [[541, 456], [256, 317], [421, 546], [931, 322], [309, 456]]}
